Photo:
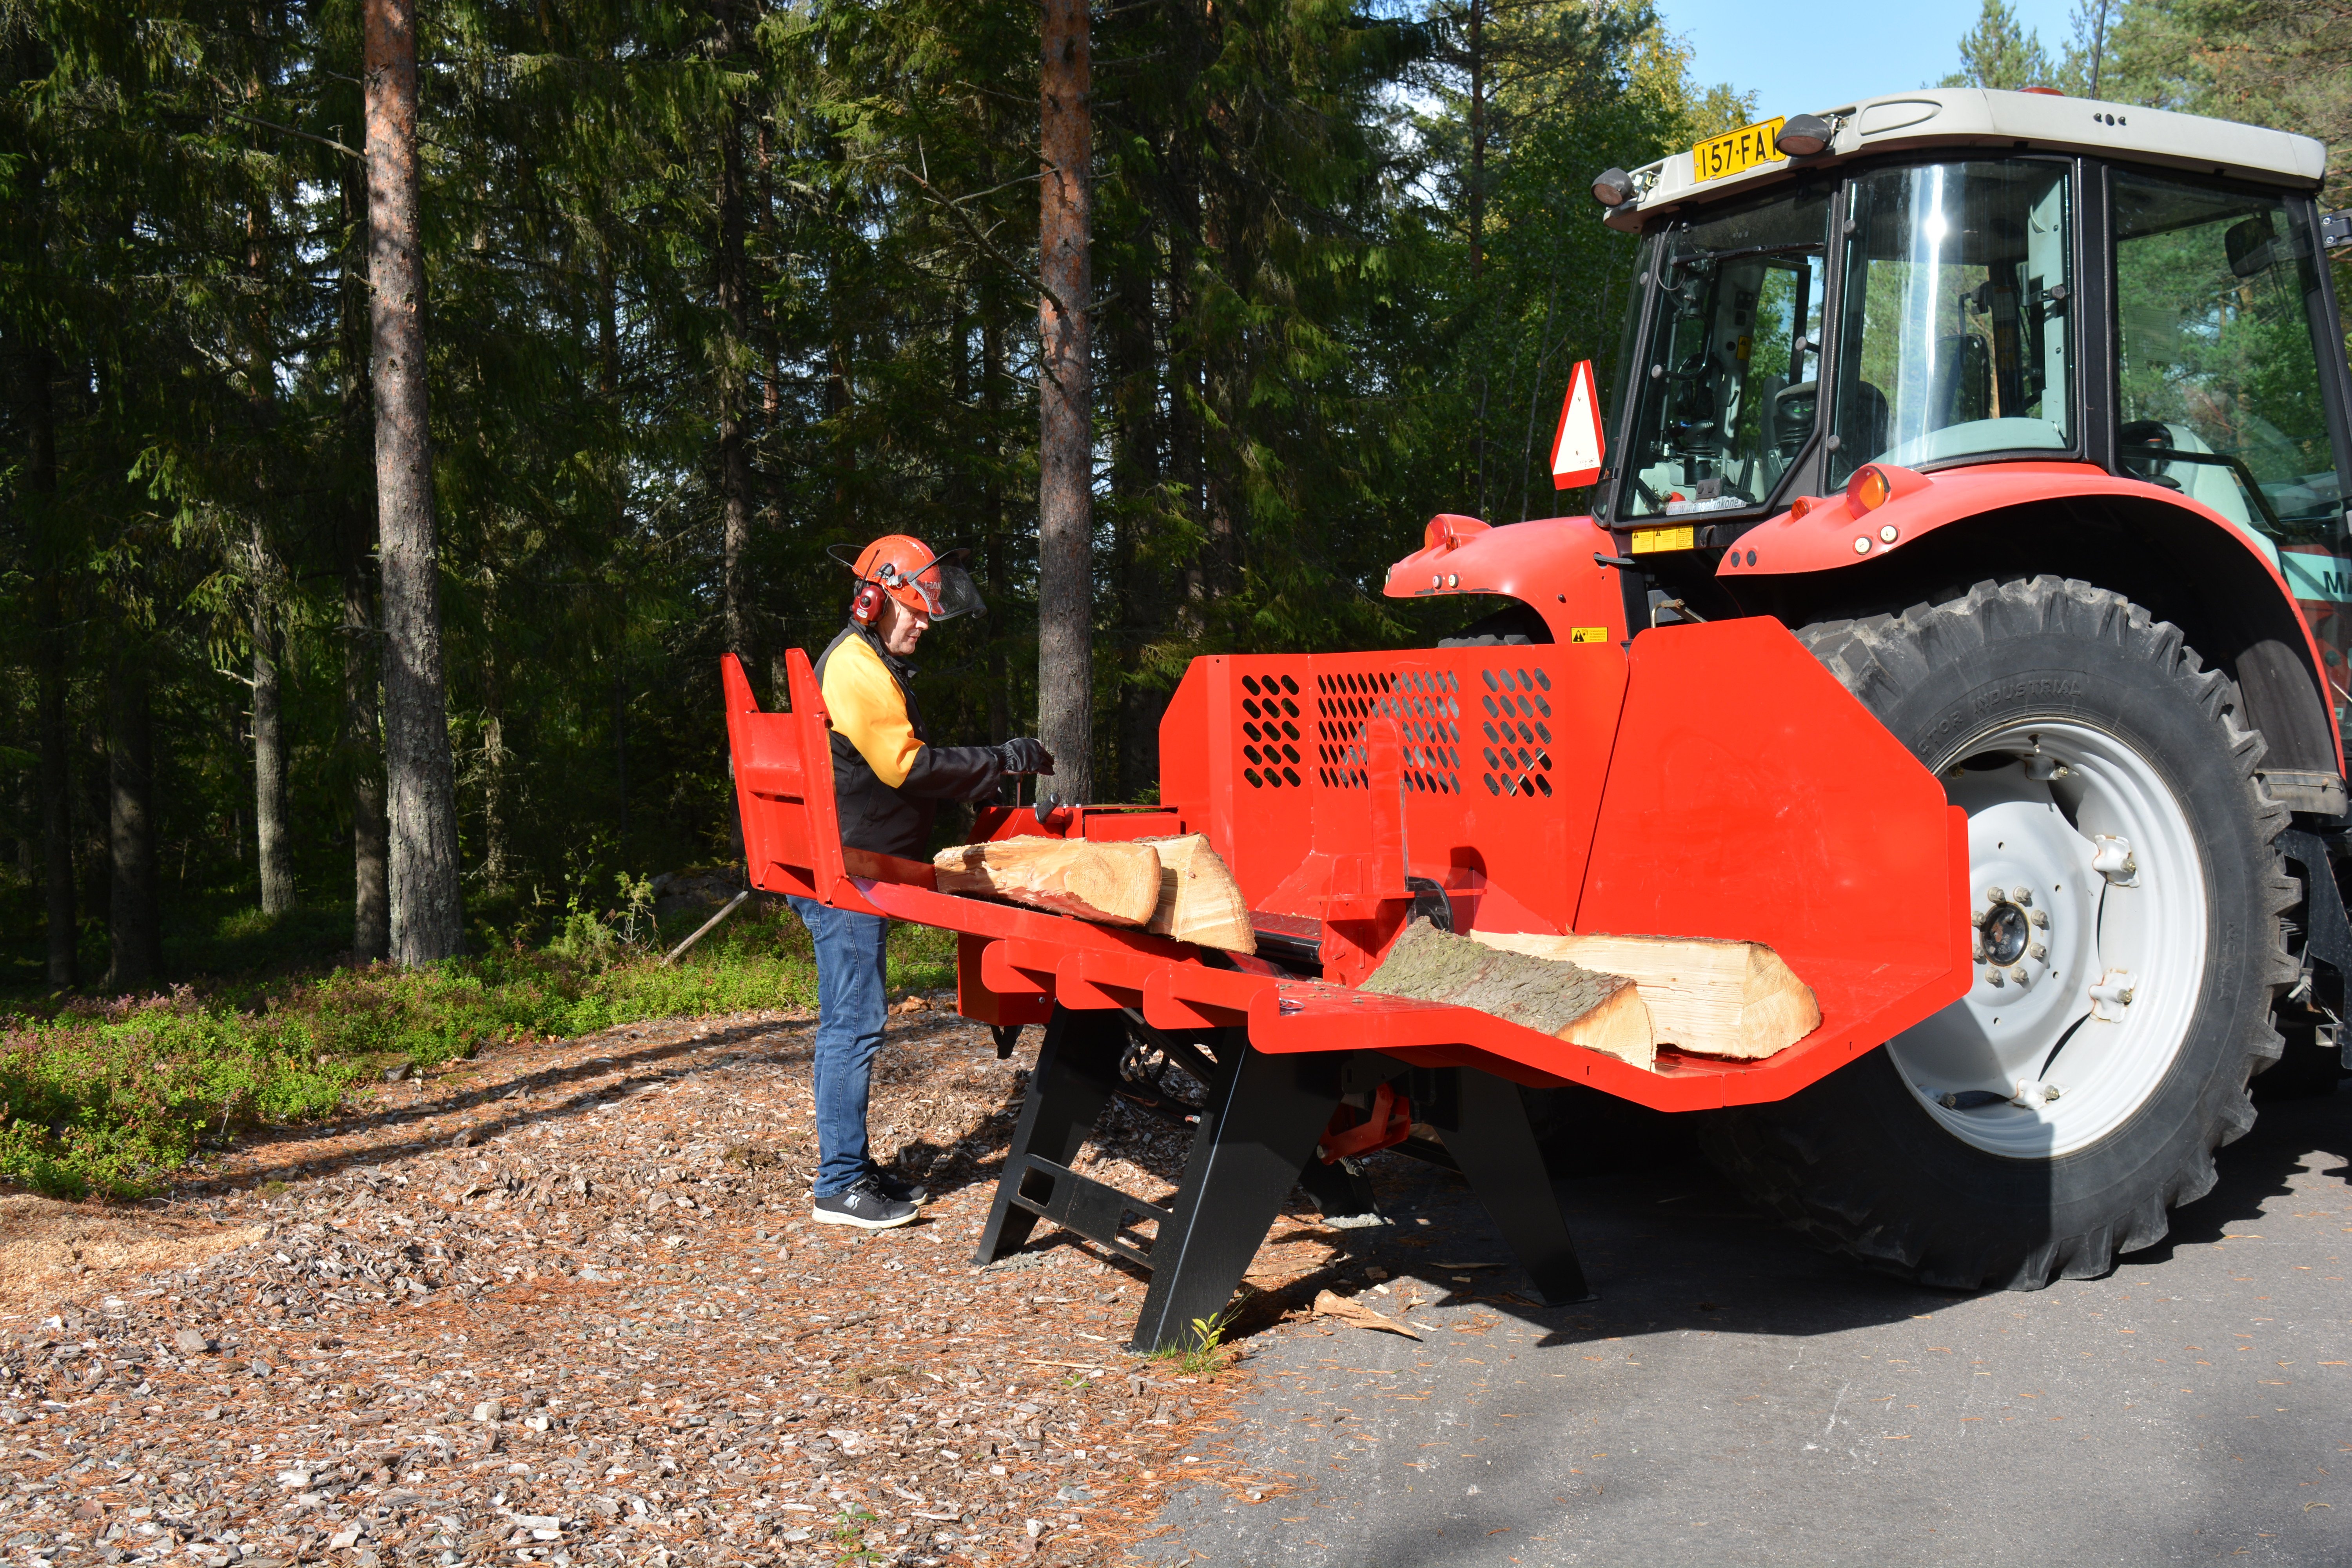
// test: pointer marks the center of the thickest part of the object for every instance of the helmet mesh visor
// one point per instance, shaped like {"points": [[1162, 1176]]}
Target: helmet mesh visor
{"points": [[947, 590]]}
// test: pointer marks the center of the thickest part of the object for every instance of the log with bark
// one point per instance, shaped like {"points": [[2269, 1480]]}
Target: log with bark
{"points": [[1601, 1012], [1198, 899], [1117, 884], [1735, 999]]}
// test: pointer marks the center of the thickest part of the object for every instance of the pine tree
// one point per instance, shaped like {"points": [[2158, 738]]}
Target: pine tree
{"points": [[1999, 52], [428, 921]]}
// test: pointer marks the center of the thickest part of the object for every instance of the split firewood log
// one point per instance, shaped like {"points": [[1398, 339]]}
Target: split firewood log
{"points": [[1567, 1001], [1735, 999], [1198, 899], [1117, 884]]}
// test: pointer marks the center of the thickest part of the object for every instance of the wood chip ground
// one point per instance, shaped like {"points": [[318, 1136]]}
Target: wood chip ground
{"points": [[563, 1304]]}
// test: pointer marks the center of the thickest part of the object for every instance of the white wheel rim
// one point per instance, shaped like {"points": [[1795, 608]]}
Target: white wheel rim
{"points": [[2055, 1049]]}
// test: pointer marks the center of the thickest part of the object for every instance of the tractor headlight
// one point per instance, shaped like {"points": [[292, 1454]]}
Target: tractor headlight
{"points": [[1803, 136]]}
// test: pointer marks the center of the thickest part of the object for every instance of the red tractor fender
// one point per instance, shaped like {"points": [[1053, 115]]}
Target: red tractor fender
{"points": [[1547, 564], [1829, 535]]}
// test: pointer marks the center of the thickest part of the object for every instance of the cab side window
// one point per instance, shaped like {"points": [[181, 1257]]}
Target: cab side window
{"points": [[2218, 376]]}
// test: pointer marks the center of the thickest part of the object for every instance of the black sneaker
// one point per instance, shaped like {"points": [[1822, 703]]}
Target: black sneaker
{"points": [[894, 1187], [864, 1205]]}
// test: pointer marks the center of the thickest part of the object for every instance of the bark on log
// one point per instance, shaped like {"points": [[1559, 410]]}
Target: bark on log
{"points": [[1198, 899], [1601, 1012], [1117, 884], [1735, 999]]}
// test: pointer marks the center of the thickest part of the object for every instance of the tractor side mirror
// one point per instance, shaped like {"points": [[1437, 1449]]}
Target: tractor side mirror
{"points": [[2249, 247]]}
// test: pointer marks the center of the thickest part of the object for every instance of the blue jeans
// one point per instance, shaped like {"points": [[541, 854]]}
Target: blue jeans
{"points": [[853, 972]]}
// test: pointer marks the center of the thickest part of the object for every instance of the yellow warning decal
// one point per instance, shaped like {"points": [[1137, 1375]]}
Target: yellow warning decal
{"points": [[1588, 634], [1648, 538]]}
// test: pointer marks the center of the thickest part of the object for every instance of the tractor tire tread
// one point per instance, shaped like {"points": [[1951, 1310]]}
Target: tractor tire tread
{"points": [[1774, 1158]]}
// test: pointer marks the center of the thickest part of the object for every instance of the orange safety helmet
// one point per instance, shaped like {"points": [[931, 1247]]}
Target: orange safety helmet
{"points": [[903, 567]]}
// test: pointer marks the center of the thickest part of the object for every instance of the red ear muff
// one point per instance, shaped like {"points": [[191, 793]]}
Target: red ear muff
{"points": [[867, 606]]}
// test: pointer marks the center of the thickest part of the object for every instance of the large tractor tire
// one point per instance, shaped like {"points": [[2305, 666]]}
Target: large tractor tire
{"points": [[2126, 896]]}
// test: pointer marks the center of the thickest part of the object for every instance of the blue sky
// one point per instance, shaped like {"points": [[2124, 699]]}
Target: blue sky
{"points": [[1808, 56]]}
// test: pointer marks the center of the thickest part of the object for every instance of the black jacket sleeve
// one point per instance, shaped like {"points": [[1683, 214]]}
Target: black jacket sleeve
{"points": [[954, 773]]}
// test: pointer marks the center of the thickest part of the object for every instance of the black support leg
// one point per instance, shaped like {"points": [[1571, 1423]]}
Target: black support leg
{"points": [[1077, 1068], [1342, 1190], [1493, 1144], [1257, 1132]]}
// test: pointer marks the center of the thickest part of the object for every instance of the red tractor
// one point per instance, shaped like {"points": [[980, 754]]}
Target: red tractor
{"points": [[2072, 378], [1956, 616]]}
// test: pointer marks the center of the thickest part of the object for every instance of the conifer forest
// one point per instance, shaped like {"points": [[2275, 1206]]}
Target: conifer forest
{"points": [[404, 404]]}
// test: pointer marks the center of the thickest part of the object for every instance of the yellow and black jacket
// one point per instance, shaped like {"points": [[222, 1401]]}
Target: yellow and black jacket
{"points": [[886, 774]]}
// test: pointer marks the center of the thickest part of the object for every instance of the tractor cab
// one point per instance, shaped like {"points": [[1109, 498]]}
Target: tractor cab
{"points": [[1965, 277]]}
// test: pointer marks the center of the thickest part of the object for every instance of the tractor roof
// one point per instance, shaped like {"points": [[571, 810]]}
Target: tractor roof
{"points": [[1970, 117]]}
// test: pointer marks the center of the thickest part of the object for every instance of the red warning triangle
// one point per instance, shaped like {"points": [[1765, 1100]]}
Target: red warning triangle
{"points": [[1576, 449]]}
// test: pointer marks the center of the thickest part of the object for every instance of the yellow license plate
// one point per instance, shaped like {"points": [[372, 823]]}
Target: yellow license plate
{"points": [[1648, 538], [1736, 152]]}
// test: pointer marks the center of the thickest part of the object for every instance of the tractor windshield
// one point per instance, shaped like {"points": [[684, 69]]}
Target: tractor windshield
{"points": [[1732, 374], [1953, 322]]}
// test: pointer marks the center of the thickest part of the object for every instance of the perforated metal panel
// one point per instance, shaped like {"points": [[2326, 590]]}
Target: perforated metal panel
{"points": [[1426, 707], [1518, 728], [1274, 756], [1270, 732]]}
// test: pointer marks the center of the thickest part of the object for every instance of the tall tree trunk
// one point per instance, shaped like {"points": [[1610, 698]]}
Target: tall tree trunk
{"points": [[427, 917], [1478, 204], [272, 840], [772, 383], [363, 658], [1066, 432], [57, 789], [93, 778], [995, 547], [732, 283], [56, 742], [135, 955], [1185, 455], [621, 738], [1477, 138], [29, 815], [494, 749], [1133, 364], [370, 909]]}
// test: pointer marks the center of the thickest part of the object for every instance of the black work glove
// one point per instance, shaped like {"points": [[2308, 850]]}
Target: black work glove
{"points": [[1025, 756]]}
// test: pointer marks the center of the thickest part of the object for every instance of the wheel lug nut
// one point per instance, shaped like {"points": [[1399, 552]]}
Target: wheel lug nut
{"points": [[2021, 896], [2037, 953], [1993, 895], [2017, 972], [2040, 918], [1994, 975]]}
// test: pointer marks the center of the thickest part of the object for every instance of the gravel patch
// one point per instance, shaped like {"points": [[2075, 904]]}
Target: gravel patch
{"points": [[563, 1303]]}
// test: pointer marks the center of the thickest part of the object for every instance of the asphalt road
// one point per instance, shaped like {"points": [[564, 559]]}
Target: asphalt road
{"points": [[1736, 1398]]}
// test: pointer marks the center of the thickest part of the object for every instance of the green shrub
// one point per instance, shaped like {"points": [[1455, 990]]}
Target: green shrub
{"points": [[111, 1098]]}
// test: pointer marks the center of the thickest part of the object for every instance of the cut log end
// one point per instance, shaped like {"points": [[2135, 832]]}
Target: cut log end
{"points": [[1198, 899], [1709, 997], [1601, 1012]]}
